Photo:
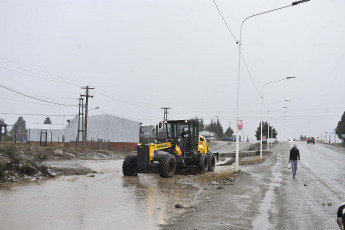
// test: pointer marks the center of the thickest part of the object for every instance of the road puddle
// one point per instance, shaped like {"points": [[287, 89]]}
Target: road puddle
{"points": [[262, 221], [103, 200]]}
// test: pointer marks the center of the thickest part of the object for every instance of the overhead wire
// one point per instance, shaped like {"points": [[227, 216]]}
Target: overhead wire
{"points": [[38, 114], [35, 98], [150, 106], [226, 24], [15, 95], [57, 79], [244, 60], [32, 74], [26, 102], [47, 74]]}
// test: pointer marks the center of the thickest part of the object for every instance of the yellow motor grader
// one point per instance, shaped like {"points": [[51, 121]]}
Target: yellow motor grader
{"points": [[182, 147]]}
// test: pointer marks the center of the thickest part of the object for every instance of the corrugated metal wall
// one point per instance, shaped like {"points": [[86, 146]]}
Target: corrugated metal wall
{"points": [[108, 127], [105, 127], [54, 135]]}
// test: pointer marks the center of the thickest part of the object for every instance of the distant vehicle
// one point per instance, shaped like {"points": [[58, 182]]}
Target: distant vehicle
{"points": [[311, 140]]}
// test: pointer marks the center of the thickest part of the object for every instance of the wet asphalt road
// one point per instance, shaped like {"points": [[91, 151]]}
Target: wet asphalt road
{"points": [[327, 164], [265, 196], [311, 200]]}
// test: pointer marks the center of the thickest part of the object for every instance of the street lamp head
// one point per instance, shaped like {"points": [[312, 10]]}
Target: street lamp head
{"points": [[286, 107], [287, 100], [290, 77], [298, 2]]}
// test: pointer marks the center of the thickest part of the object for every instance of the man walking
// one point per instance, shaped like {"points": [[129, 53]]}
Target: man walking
{"points": [[341, 216], [294, 156]]}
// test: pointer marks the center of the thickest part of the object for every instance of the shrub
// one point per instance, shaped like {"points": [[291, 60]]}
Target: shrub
{"points": [[28, 170], [10, 152], [2, 170], [40, 158]]}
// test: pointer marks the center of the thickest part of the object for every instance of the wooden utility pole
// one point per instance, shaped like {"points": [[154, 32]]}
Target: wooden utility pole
{"points": [[217, 127], [87, 95], [80, 114], [165, 118]]}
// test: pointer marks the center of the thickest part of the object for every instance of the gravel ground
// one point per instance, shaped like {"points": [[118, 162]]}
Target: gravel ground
{"points": [[338, 149], [224, 147], [234, 206]]}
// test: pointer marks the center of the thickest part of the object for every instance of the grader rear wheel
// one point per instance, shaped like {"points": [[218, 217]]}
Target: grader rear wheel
{"points": [[203, 163], [211, 162]]}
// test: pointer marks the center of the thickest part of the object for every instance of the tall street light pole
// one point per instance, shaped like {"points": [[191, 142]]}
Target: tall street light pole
{"points": [[239, 43], [268, 135], [262, 102]]}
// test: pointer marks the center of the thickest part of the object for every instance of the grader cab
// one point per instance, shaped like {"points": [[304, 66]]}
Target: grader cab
{"points": [[182, 147]]}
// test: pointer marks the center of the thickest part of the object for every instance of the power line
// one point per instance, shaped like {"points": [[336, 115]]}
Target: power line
{"points": [[38, 114], [28, 74], [56, 77], [250, 75], [226, 24], [62, 98], [35, 98], [129, 103], [26, 102]]}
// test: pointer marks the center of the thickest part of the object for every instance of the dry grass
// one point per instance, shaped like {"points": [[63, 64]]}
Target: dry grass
{"points": [[222, 176], [252, 161]]}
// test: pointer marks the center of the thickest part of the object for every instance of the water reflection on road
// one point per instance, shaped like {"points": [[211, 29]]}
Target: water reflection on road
{"points": [[106, 201]]}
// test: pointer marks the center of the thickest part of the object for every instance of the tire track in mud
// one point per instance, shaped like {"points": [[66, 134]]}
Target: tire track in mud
{"points": [[262, 221], [234, 206]]}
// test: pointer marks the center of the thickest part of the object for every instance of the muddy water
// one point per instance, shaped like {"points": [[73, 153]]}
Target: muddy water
{"points": [[106, 201]]}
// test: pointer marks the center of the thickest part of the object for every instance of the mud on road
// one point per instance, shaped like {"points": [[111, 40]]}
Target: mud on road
{"points": [[232, 206], [265, 196]]}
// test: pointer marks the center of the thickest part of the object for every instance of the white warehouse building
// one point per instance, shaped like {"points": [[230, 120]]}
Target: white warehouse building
{"points": [[117, 132]]}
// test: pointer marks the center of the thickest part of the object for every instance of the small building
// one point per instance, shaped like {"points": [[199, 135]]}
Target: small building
{"points": [[46, 134]]}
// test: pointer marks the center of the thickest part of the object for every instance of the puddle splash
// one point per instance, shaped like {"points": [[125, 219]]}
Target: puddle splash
{"points": [[105, 201]]}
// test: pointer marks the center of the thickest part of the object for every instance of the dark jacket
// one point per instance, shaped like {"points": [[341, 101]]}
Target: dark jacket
{"points": [[340, 211], [294, 154]]}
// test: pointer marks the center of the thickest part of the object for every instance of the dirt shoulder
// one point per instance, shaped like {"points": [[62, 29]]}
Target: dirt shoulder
{"points": [[26, 162], [229, 205]]}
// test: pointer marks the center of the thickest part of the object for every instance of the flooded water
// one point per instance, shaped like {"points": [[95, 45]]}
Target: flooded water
{"points": [[262, 221], [106, 201]]}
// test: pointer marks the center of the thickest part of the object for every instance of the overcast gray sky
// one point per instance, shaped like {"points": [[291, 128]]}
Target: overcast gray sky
{"points": [[143, 55]]}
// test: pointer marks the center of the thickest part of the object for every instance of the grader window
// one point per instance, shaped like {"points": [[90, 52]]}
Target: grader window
{"points": [[171, 129], [184, 131]]}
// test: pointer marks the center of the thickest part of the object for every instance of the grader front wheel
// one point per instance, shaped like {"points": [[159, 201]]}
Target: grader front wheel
{"points": [[167, 165], [129, 165]]}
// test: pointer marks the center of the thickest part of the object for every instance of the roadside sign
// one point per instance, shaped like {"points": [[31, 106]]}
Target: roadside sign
{"points": [[239, 124]]}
